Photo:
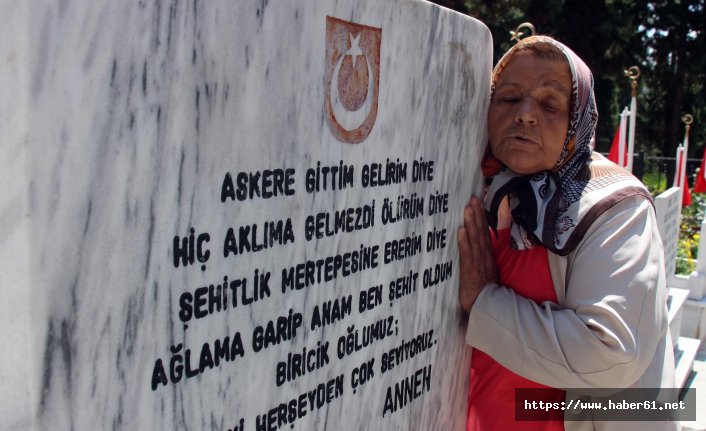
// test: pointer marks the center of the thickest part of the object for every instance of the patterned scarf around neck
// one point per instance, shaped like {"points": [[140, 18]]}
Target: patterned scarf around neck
{"points": [[555, 208]]}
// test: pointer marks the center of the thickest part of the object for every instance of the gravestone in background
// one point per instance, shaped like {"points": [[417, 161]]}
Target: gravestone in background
{"points": [[236, 215], [668, 209]]}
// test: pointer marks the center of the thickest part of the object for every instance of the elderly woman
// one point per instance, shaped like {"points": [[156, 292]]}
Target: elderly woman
{"points": [[569, 290]]}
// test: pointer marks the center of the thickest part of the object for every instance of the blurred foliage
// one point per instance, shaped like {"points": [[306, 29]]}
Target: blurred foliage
{"points": [[665, 38], [655, 182], [690, 234], [686, 256]]}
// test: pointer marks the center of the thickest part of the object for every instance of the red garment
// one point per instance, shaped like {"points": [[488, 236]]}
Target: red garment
{"points": [[491, 397]]}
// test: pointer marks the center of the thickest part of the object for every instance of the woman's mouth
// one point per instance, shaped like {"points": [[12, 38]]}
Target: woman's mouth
{"points": [[523, 139]]}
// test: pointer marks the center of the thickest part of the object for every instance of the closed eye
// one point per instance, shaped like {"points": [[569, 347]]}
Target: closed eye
{"points": [[550, 107], [507, 99]]}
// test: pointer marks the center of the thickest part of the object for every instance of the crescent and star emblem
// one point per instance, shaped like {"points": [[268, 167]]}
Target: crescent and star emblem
{"points": [[352, 79], [351, 119]]}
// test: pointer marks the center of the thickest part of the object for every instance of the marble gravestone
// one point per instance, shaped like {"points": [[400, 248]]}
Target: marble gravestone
{"points": [[668, 209], [236, 215]]}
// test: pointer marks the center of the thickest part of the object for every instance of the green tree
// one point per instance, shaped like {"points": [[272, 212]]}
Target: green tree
{"points": [[673, 35]]}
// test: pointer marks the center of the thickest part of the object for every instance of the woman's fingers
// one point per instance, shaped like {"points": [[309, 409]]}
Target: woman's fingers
{"points": [[465, 269], [485, 255], [472, 233], [481, 222], [477, 264]]}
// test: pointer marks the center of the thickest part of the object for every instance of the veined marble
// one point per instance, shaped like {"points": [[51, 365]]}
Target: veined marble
{"points": [[668, 208], [120, 122]]}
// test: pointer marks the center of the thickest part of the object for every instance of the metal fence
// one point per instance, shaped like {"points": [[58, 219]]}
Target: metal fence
{"points": [[659, 165]]}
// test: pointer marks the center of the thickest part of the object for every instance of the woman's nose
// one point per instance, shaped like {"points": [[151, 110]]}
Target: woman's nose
{"points": [[526, 112]]}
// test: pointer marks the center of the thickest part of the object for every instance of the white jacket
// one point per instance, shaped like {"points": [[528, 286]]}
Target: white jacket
{"points": [[609, 328]]}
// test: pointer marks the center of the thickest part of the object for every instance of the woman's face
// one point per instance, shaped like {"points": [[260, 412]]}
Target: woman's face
{"points": [[529, 113]]}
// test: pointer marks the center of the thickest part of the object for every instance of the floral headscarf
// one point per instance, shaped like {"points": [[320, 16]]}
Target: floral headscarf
{"points": [[556, 207]]}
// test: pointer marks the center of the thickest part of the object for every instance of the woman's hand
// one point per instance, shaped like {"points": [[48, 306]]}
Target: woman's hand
{"points": [[477, 261]]}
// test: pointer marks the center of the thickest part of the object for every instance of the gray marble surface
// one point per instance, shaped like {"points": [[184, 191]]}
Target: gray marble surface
{"points": [[120, 122], [667, 206]]}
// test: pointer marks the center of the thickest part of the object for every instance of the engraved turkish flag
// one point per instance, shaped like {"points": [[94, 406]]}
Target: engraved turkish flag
{"points": [[352, 81]]}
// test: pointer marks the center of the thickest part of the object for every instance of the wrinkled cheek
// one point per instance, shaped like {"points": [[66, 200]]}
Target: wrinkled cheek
{"points": [[495, 146]]}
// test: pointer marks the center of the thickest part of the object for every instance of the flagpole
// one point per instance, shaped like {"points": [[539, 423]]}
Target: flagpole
{"points": [[622, 140], [518, 34], [679, 165], [700, 180], [632, 73], [687, 119]]}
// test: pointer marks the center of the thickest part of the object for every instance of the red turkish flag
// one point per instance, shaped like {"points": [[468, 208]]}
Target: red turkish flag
{"points": [[700, 185], [614, 154], [686, 194], [684, 183]]}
